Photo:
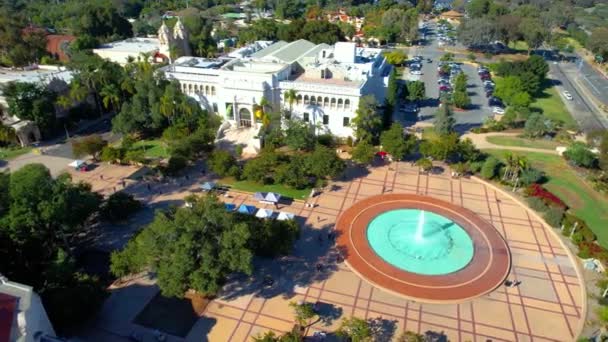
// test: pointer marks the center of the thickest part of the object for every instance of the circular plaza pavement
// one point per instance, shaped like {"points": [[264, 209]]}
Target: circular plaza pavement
{"points": [[486, 271]]}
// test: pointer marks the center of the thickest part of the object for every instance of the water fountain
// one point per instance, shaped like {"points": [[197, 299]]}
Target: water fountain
{"points": [[420, 241]]}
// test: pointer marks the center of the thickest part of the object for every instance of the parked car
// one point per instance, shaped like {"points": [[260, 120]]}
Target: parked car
{"points": [[567, 95], [485, 77], [488, 82], [415, 72], [494, 102], [444, 88], [489, 93], [410, 108], [498, 110]]}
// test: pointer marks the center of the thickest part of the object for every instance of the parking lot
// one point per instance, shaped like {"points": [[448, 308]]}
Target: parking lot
{"points": [[479, 109]]}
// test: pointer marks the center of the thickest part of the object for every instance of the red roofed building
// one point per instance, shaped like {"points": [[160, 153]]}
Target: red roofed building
{"points": [[57, 45], [8, 313], [22, 316]]}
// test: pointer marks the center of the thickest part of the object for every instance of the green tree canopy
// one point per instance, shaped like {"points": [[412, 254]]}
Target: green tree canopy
{"points": [[444, 119], [416, 91], [355, 329], [31, 101], [396, 143], [367, 122]]}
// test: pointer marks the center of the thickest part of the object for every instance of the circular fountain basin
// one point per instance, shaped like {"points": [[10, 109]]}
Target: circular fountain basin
{"points": [[420, 242]]}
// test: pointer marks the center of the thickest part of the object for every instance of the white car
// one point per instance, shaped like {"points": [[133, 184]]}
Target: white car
{"points": [[567, 95], [416, 72], [498, 110]]}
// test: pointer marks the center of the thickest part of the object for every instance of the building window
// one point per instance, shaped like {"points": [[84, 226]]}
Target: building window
{"points": [[346, 121], [214, 107], [347, 104], [306, 99], [212, 90], [313, 100], [340, 103], [299, 100], [326, 102], [305, 117], [333, 103], [326, 119], [206, 90], [319, 100], [322, 73]]}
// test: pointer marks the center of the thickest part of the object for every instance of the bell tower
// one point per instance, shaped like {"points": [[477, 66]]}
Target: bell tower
{"points": [[165, 40], [180, 37]]}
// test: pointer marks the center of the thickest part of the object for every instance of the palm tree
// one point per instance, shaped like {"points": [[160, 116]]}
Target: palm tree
{"points": [[167, 106], [7, 134], [110, 95], [64, 102], [78, 92], [290, 97]]}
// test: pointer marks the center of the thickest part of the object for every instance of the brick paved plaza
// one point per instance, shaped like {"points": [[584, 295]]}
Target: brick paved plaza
{"points": [[549, 305]]}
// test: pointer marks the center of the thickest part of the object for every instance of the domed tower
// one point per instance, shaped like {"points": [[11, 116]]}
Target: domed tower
{"points": [[180, 38], [165, 40]]}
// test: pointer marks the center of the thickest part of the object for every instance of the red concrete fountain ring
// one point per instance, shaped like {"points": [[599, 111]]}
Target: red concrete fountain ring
{"points": [[486, 271]]}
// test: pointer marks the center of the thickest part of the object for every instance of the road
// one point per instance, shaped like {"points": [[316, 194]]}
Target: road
{"points": [[465, 120], [592, 79], [588, 117]]}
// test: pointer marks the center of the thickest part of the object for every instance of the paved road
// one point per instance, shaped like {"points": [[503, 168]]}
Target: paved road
{"points": [[582, 109], [592, 79], [465, 120]]}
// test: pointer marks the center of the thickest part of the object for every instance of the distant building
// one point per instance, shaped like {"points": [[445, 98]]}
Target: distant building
{"points": [[22, 316], [452, 16], [55, 78], [328, 81], [157, 49], [123, 51], [57, 45]]}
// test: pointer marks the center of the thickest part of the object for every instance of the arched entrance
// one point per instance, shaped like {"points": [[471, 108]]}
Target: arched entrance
{"points": [[245, 117]]}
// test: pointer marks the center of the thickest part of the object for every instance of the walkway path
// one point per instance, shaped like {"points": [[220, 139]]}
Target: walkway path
{"points": [[481, 143]]}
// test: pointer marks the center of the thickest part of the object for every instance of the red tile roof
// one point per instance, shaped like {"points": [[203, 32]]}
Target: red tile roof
{"points": [[54, 43], [8, 307]]}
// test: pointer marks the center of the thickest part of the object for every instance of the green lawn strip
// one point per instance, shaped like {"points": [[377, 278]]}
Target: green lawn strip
{"points": [[153, 148], [519, 45], [552, 106], [566, 183], [8, 153], [506, 140], [255, 187]]}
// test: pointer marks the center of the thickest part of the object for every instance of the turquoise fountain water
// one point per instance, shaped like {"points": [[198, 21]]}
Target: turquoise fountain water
{"points": [[420, 242]]}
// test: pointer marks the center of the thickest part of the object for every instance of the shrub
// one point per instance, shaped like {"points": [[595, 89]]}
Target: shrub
{"points": [[537, 204], [238, 150], [554, 216], [221, 162], [530, 176], [119, 206], [176, 164], [579, 154], [326, 140], [135, 156], [536, 190], [475, 167], [112, 154], [490, 168]]}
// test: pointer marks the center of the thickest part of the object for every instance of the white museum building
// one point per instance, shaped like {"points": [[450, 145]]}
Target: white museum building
{"points": [[328, 81]]}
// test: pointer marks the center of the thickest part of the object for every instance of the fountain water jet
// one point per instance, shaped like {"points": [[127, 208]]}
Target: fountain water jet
{"points": [[419, 229]]}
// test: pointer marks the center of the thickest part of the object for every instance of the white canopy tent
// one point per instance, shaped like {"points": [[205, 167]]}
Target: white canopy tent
{"points": [[76, 163], [285, 216], [264, 213]]}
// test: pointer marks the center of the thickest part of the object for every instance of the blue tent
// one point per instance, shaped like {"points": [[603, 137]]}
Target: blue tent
{"points": [[247, 209], [229, 206]]}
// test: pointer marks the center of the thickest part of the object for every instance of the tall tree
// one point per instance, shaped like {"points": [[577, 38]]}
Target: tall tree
{"points": [[191, 248], [396, 143], [444, 119], [367, 122]]}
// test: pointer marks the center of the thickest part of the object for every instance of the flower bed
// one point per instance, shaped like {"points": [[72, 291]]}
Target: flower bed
{"points": [[536, 190]]}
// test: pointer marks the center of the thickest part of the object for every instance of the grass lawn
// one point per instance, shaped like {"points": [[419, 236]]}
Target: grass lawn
{"points": [[255, 187], [552, 106], [519, 45], [153, 148], [8, 153], [522, 142], [566, 183]]}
